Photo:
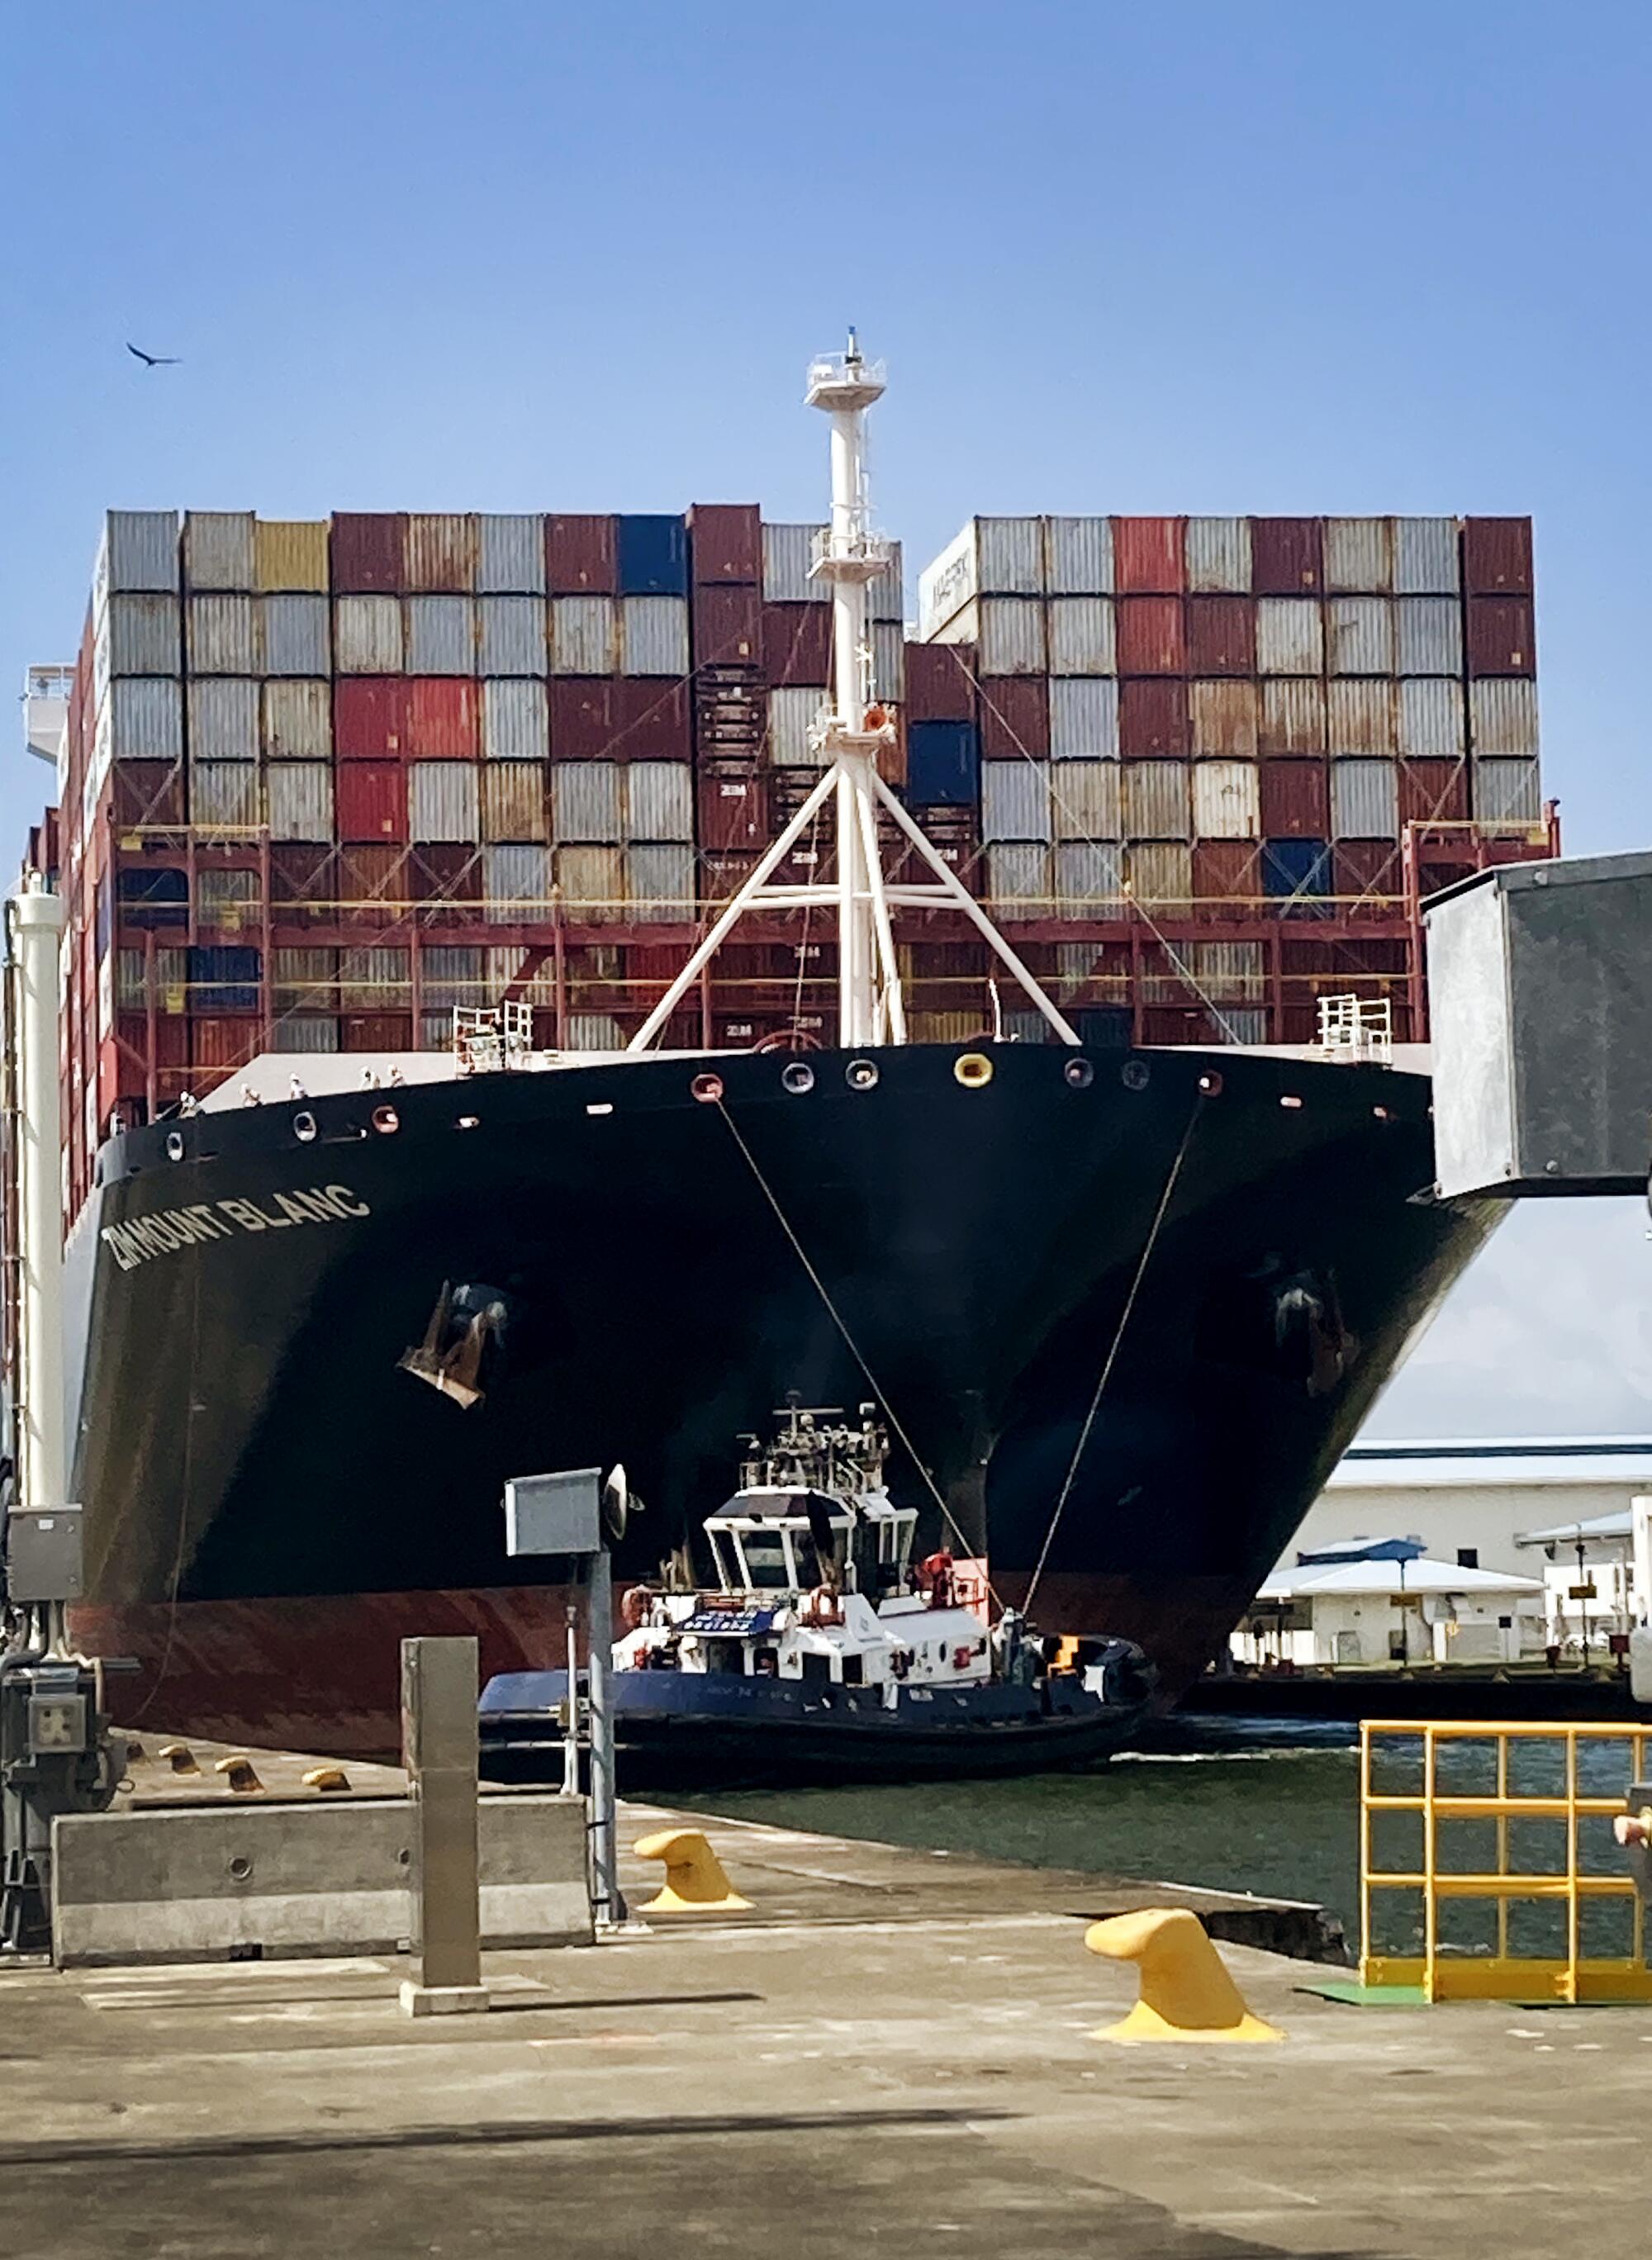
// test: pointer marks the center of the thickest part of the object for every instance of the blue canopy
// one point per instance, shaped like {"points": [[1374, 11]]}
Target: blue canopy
{"points": [[1363, 1549]]}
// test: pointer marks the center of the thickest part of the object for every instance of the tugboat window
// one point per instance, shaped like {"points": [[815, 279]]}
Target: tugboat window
{"points": [[767, 1568]]}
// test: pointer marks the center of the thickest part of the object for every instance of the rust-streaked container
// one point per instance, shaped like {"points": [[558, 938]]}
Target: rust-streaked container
{"points": [[1218, 554], [1497, 556], [940, 683], [1086, 800], [1227, 877], [1221, 635], [1359, 555], [449, 873], [725, 543], [1290, 636], [1505, 791], [1151, 636], [1153, 718], [1295, 799], [1227, 803], [652, 720], [592, 879], [1290, 718], [1359, 635], [1500, 636], [1434, 792], [438, 551], [1161, 875], [1149, 555], [371, 878], [382, 1033], [1360, 717], [1365, 873], [582, 556], [290, 554], [297, 721], [219, 549], [1287, 556], [581, 718], [303, 884], [146, 794], [370, 715], [797, 644], [371, 801], [731, 812], [442, 720], [1156, 800], [367, 551], [1223, 719], [224, 1042], [1503, 717], [376, 980], [1014, 712], [513, 801], [726, 627]]}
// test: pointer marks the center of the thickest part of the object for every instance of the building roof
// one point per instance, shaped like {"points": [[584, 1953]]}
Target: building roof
{"points": [[1620, 1525], [1420, 1577], [1505, 1462]]}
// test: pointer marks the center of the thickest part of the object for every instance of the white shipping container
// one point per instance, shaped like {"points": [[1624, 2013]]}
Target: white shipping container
{"points": [[1084, 719], [225, 796], [300, 800], [1292, 718], [444, 801], [1364, 800], [1086, 800], [515, 721], [585, 802], [593, 884], [791, 715], [1506, 791], [513, 801], [442, 635], [948, 583], [1161, 873], [512, 633], [660, 882], [1012, 556], [367, 635], [224, 718], [1430, 635], [1431, 719], [139, 549], [376, 980], [1362, 635], [297, 721], [1078, 557], [218, 549], [453, 975], [1229, 972], [1081, 636], [1360, 719], [139, 634], [1223, 716], [1012, 633], [787, 554], [595, 1031], [654, 635], [313, 1033], [1015, 801], [889, 661], [1425, 560], [295, 635], [507, 978], [582, 635], [223, 635], [1089, 873], [511, 555], [146, 720], [516, 883], [1503, 717], [1290, 636], [1227, 800], [659, 801], [1157, 802], [1020, 882], [1218, 555], [1359, 555]]}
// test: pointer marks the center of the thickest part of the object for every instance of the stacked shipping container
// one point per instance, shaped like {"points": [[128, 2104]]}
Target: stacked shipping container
{"points": [[326, 781]]}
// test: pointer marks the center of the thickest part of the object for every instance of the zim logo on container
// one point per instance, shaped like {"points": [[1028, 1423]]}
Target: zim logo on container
{"points": [[170, 1229]]}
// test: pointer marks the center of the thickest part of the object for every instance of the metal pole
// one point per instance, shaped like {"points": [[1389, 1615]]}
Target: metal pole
{"points": [[36, 931], [438, 1748], [571, 1738], [609, 1906]]}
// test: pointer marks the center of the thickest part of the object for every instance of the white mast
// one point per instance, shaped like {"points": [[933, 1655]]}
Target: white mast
{"points": [[851, 733]]}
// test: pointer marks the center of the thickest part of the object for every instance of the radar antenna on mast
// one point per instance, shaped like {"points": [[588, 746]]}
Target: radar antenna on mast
{"points": [[850, 732]]}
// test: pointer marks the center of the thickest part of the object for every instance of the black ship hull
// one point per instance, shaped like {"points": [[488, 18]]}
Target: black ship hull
{"points": [[273, 1500]]}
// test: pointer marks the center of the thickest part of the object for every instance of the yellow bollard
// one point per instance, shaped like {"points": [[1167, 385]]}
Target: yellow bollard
{"points": [[695, 1881], [327, 1779], [180, 1758], [1186, 1992], [242, 1775]]}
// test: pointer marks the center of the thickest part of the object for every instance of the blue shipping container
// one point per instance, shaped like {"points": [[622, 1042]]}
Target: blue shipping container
{"points": [[154, 899], [654, 557], [1298, 871], [223, 977], [943, 764]]}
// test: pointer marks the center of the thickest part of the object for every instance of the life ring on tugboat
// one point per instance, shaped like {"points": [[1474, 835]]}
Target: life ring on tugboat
{"points": [[934, 1579], [823, 1607], [636, 1606]]}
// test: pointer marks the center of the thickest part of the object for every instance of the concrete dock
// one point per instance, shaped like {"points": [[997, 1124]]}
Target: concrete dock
{"points": [[892, 2052]]}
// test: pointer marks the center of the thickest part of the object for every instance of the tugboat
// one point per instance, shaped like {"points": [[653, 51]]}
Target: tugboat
{"points": [[820, 1651]]}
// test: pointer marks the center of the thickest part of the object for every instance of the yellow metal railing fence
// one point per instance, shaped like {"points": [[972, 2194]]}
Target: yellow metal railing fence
{"points": [[1552, 1914]]}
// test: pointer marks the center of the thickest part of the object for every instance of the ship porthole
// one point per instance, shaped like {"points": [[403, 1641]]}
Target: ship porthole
{"points": [[1135, 1074], [386, 1118], [861, 1074], [796, 1079], [304, 1127], [708, 1089], [1210, 1083], [175, 1145], [1078, 1073], [973, 1070]]}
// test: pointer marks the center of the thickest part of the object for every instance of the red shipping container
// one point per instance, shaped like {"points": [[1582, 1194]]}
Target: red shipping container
{"points": [[726, 626], [1286, 556], [371, 801], [652, 719], [726, 542], [733, 812], [1434, 792], [370, 714], [1500, 636], [1153, 718], [447, 874], [1497, 556], [224, 1040], [442, 722], [723, 871], [581, 557], [1151, 640], [797, 644], [940, 683], [1221, 635], [1178, 1024], [1149, 555], [376, 1032], [1296, 800], [171, 1044], [1014, 717], [1226, 878], [147, 793], [367, 550], [1366, 873], [304, 888], [582, 718], [373, 885]]}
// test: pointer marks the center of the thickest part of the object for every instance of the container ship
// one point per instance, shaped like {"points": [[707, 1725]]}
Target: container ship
{"points": [[368, 819]]}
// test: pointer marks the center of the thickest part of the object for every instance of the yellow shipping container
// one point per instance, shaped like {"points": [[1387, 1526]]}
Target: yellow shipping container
{"points": [[291, 553]]}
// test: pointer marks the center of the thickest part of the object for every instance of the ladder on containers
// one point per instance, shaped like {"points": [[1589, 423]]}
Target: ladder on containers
{"points": [[1356, 1027], [490, 1037]]}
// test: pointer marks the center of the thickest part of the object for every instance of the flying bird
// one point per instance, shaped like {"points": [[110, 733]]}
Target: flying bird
{"points": [[154, 361]]}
